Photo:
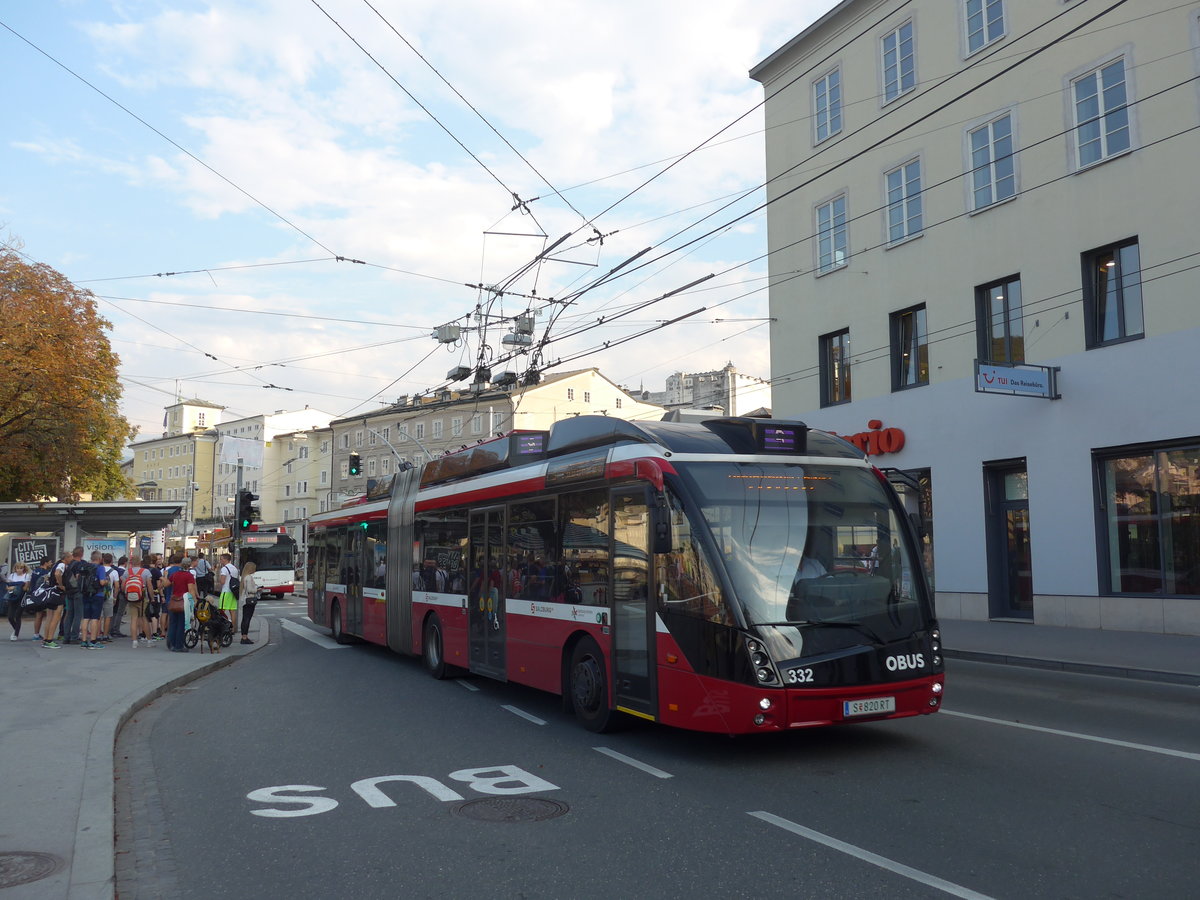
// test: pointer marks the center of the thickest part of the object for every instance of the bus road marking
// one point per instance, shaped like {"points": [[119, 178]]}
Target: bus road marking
{"points": [[309, 635], [1112, 742], [467, 685], [630, 761], [524, 715], [872, 858]]}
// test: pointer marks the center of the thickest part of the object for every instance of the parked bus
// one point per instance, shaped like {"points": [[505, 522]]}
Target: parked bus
{"points": [[734, 576]]}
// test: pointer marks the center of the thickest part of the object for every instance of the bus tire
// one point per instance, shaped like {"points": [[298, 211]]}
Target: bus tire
{"points": [[588, 687], [335, 624], [433, 648]]}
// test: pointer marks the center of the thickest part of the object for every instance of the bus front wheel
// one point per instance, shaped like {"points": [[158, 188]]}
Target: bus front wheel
{"points": [[432, 648], [589, 688]]}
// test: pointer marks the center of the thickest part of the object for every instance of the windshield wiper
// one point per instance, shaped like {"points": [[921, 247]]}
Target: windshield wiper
{"points": [[860, 627]]}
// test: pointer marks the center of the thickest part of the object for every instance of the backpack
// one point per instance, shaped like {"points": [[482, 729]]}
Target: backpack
{"points": [[134, 585], [83, 579], [234, 582]]}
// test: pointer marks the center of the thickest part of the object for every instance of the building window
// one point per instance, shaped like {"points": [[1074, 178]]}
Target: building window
{"points": [[1150, 516], [832, 246], [904, 201], [985, 23], [1112, 293], [910, 348], [1101, 114], [998, 317], [899, 62], [570, 393], [827, 105], [835, 368], [993, 166], [437, 428], [456, 426], [477, 424]]}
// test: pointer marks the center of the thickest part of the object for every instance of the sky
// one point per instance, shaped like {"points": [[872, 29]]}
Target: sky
{"points": [[277, 202]]}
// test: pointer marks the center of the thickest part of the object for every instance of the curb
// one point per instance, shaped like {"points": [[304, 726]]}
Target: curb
{"points": [[93, 862], [1078, 668]]}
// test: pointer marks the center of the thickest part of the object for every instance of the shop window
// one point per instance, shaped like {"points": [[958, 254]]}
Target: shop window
{"points": [[1150, 520]]}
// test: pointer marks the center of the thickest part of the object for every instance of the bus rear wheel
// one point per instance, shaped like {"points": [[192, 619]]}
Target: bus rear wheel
{"points": [[335, 624], [588, 686], [433, 649]]}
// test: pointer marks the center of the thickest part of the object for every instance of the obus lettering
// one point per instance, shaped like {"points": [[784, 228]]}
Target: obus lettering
{"points": [[494, 780], [905, 661]]}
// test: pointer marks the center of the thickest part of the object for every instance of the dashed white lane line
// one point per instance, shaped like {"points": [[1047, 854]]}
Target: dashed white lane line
{"points": [[872, 858], [524, 715], [1112, 742], [630, 761], [308, 634]]}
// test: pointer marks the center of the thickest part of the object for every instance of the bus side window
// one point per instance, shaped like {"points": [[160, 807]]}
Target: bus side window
{"points": [[687, 582], [582, 573]]}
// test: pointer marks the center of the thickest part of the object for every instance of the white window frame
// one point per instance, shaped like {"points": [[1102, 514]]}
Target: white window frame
{"points": [[827, 116], [906, 201], [896, 35], [1095, 70], [985, 7], [970, 166], [822, 234]]}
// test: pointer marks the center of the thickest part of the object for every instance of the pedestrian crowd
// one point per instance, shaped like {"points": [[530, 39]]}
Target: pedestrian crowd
{"points": [[88, 602]]}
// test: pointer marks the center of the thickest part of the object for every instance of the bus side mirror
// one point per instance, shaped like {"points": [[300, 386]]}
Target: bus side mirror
{"points": [[660, 524]]}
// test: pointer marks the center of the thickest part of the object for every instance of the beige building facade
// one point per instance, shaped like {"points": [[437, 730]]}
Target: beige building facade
{"points": [[983, 268]]}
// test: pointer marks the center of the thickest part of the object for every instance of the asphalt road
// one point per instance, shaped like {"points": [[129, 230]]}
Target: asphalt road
{"points": [[264, 781]]}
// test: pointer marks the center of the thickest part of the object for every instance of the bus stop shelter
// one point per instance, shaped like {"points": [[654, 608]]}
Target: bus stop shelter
{"points": [[72, 521]]}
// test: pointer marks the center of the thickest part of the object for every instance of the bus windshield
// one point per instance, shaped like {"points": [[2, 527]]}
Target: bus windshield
{"points": [[812, 545]]}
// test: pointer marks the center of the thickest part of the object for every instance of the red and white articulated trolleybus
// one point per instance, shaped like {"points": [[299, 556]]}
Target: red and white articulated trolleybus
{"points": [[733, 576]]}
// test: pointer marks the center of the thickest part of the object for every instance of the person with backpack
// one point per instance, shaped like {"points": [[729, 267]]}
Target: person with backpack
{"points": [[73, 610], [229, 589], [93, 581], [136, 589], [113, 628]]}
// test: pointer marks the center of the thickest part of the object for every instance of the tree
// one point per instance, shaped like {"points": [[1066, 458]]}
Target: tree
{"points": [[60, 430]]}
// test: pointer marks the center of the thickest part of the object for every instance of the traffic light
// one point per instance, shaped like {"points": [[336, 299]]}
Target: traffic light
{"points": [[247, 512], [355, 465]]}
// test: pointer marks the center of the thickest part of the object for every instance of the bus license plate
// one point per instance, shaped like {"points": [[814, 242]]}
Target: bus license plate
{"points": [[873, 706]]}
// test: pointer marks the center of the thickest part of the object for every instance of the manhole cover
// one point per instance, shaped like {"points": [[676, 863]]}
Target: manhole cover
{"points": [[510, 809], [24, 866]]}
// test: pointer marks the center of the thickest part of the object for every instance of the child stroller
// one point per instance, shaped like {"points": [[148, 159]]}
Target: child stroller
{"points": [[209, 625]]}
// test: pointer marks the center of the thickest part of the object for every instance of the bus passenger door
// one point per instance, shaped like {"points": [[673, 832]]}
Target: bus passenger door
{"points": [[485, 593], [354, 580], [633, 632]]}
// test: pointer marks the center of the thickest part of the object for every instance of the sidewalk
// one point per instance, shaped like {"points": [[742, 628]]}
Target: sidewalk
{"points": [[59, 719], [1172, 658]]}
